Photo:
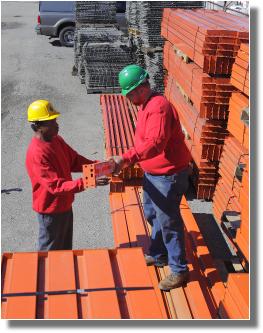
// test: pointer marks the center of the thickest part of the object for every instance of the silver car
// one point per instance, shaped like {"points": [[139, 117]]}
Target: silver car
{"points": [[57, 19]]}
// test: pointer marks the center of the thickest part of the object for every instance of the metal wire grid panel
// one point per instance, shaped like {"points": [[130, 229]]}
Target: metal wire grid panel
{"points": [[93, 35], [108, 53], [102, 63], [154, 65], [146, 16], [95, 12], [102, 78]]}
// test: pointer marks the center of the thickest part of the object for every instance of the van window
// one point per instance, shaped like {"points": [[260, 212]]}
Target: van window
{"points": [[56, 6]]}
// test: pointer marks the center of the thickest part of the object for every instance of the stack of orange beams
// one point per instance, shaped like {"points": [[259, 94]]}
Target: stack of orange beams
{"points": [[207, 136], [242, 236], [237, 198], [240, 70], [238, 125], [209, 95], [227, 193], [204, 139], [210, 38], [199, 53], [238, 128], [228, 188], [119, 119]]}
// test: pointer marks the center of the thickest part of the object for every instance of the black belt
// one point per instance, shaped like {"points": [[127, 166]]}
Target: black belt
{"points": [[167, 174]]}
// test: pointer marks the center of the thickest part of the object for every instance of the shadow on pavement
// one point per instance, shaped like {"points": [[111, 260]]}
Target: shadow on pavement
{"points": [[55, 43], [11, 190]]}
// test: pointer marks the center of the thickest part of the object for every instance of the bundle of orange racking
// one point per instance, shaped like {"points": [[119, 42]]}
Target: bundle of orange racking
{"points": [[231, 198], [119, 120], [240, 70], [199, 52], [210, 38]]}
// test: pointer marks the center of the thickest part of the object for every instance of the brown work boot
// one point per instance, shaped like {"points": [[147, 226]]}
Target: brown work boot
{"points": [[174, 281], [156, 262]]}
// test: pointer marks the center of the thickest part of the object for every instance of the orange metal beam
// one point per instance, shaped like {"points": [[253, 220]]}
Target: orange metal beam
{"points": [[98, 274], [199, 247], [119, 223], [60, 275], [136, 300], [236, 300], [20, 275]]}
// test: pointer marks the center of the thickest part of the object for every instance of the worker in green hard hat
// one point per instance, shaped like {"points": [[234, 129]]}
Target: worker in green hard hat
{"points": [[131, 77], [160, 150]]}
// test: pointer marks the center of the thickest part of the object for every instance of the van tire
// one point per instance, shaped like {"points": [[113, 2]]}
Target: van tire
{"points": [[66, 36]]}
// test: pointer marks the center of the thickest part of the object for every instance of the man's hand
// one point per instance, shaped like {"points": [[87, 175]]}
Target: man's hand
{"points": [[119, 164], [101, 181]]}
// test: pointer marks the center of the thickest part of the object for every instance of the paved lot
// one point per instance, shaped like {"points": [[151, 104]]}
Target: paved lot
{"points": [[34, 67]]}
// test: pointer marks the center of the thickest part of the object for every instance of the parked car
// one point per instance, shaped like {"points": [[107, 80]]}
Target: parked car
{"points": [[57, 19], [121, 6]]}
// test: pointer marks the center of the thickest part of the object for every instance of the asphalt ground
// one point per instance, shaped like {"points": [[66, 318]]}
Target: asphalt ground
{"points": [[36, 67]]}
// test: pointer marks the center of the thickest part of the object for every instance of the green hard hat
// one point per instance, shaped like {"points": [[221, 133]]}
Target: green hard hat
{"points": [[131, 77]]}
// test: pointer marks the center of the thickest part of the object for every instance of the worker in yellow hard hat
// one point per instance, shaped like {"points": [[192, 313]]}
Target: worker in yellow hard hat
{"points": [[49, 163]]}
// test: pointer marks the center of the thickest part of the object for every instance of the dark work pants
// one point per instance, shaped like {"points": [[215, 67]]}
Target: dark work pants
{"points": [[161, 202], [55, 231]]}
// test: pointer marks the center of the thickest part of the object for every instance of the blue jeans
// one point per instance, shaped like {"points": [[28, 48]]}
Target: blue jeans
{"points": [[55, 231], [161, 200]]}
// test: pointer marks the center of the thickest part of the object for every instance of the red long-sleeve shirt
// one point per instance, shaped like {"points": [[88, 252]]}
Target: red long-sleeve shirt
{"points": [[49, 166], [159, 144]]}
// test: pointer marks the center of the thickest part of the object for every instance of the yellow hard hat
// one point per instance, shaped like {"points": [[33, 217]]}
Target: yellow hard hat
{"points": [[41, 110]]}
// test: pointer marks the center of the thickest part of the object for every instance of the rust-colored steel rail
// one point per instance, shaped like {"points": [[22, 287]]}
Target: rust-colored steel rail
{"points": [[209, 38], [118, 112], [110, 144], [119, 118], [116, 127]]}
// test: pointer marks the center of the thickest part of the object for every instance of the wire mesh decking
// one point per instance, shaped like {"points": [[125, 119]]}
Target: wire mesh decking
{"points": [[95, 12]]}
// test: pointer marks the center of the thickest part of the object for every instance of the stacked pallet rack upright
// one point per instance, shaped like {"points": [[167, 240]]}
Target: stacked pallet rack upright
{"points": [[199, 52], [231, 198], [207, 62]]}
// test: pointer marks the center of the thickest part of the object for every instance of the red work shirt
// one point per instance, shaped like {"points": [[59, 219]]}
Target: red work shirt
{"points": [[159, 145], [49, 166]]}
